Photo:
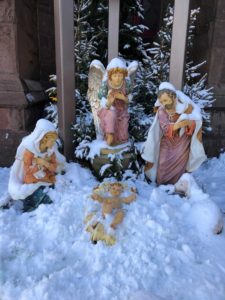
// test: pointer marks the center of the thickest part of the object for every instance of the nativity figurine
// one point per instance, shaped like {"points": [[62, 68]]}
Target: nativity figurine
{"points": [[109, 92], [111, 196], [174, 142], [36, 164]]}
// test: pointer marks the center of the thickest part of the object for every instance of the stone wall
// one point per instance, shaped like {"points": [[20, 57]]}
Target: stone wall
{"points": [[209, 46], [216, 140], [46, 35], [217, 55], [25, 61]]}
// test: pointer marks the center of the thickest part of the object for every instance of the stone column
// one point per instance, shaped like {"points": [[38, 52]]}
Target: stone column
{"points": [[64, 40], [113, 31], [21, 95], [217, 54], [178, 45], [215, 140]]}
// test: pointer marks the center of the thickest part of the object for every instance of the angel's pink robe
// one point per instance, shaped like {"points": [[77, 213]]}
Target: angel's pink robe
{"points": [[174, 150], [116, 119]]}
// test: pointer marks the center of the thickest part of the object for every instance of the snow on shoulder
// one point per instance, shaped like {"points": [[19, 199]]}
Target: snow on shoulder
{"points": [[183, 103]]}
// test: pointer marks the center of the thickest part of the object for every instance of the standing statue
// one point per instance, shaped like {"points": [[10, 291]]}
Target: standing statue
{"points": [[174, 142], [36, 164], [109, 92]]}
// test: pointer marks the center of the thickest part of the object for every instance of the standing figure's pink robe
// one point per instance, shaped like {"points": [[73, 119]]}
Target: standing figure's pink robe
{"points": [[174, 150], [115, 120]]}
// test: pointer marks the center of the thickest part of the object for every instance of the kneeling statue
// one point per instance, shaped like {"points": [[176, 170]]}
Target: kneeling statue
{"points": [[36, 165]]}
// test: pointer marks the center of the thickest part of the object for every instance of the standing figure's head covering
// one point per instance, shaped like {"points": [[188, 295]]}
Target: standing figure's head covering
{"points": [[166, 87], [17, 189]]}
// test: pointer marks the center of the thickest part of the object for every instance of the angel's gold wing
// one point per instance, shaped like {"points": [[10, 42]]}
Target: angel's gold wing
{"points": [[95, 77]]}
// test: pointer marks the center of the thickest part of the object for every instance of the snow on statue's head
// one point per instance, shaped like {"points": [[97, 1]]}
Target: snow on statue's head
{"points": [[167, 86], [116, 65], [44, 125]]}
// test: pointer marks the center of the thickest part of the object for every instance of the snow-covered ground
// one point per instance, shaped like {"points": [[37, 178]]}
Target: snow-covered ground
{"points": [[165, 247]]}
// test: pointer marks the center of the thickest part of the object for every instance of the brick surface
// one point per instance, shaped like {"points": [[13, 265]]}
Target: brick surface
{"points": [[9, 141], [7, 46], [25, 26]]}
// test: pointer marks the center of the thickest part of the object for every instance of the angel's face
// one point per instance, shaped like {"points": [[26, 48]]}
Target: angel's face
{"points": [[117, 78]]}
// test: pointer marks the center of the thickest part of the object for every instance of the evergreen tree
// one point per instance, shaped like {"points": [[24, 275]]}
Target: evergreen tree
{"points": [[89, 40], [51, 109], [160, 52], [91, 22], [131, 45], [84, 45], [194, 83], [99, 21]]}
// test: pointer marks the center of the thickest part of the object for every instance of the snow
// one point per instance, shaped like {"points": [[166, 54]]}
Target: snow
{"points": [[167, 86], [4, 177], [98, 64], [160, 253], [98, 144], [104, 168], [116, 63], [196, 113], [132, 67]]}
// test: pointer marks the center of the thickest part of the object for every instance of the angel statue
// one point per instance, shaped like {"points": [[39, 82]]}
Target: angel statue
{"points": [[109, 92]]}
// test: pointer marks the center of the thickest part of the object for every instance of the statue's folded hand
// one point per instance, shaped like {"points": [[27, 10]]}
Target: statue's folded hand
{"points": [[148, 166], [190, 128], [121, 96], [41, 162], [181, 124], [110, 99]]}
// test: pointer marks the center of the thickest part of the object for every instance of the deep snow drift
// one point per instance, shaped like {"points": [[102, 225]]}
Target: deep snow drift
{"points": [[165, 247]]}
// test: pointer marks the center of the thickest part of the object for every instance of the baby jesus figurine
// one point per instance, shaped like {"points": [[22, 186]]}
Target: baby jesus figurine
{"points": [[111, 205]]}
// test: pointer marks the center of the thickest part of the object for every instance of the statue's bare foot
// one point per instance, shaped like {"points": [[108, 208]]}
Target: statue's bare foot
{"points": [[109, 139]]}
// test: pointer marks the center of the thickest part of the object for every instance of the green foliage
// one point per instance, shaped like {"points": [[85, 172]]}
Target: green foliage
{"points": [[51, 110], [91, 36], [131, 31], [119, 163]]}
